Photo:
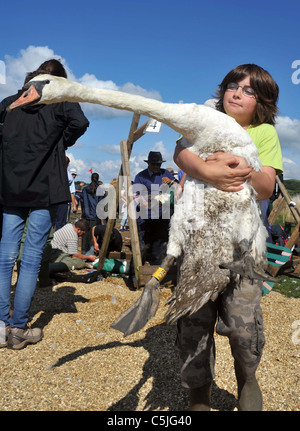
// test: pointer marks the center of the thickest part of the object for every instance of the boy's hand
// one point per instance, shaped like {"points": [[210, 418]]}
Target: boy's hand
{"points": [[91, 257], [228, 172]]}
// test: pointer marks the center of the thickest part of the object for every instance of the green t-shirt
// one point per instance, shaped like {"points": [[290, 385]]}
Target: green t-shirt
{"points": [[267, 142]]}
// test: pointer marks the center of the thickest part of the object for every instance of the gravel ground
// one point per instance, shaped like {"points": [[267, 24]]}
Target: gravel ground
{"points": [[83, 365]]}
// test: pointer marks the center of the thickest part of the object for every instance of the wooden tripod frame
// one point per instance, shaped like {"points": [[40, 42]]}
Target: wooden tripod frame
{"points": [[277, 208], [126, 147]]}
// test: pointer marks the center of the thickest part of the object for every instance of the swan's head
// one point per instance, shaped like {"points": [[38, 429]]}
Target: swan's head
{"points": [[42, 89]]}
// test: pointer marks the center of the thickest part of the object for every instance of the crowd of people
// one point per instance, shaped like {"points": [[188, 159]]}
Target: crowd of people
{"points": [[38, 192]]}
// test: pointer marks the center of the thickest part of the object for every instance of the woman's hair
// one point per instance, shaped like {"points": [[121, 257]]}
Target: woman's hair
{"points": [[49, 67], [263, 84], [94, 183]]}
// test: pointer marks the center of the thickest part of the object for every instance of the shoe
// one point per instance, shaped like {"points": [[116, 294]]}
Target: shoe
{"points": [[250, 399], [199, 398], [4, 331], [49, 283], [19, 338], [249, 393]]}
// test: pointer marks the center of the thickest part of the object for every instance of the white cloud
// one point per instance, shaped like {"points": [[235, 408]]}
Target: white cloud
{"points": [[26, 61], [290, 169], [289, 132], [98, 111], [80, 165], [2, 72], [107, 170], [30, 58], [110, 149]]}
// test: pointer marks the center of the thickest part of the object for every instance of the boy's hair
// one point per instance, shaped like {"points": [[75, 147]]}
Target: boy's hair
{"points": [[49, 67], [263, 84], [83, 224]]}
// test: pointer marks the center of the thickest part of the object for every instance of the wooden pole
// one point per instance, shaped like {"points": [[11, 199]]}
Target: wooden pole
{"points": [[291, 242], [135, 245], [293, 209], [134, 134], [276, 210]]}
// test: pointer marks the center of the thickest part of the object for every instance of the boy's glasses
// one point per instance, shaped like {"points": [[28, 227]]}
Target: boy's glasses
{"points": [[247, 91]]}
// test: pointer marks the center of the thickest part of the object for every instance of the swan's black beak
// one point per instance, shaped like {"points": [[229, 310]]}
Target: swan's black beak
{"points": [[29, 97]]}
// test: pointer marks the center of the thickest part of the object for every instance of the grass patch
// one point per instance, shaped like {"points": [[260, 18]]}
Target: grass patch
{"points": [[289, 286]]}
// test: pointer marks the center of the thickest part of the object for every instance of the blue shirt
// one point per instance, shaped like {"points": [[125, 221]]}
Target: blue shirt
{"points": [[151, 183], [180, 174]]}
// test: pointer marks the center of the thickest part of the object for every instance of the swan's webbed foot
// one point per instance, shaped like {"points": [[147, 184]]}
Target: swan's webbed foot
{"points": [[245, 266], [136, 316]]}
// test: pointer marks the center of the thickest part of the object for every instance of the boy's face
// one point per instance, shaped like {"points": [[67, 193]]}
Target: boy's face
{"points": [[239, 106], [80, 232]]}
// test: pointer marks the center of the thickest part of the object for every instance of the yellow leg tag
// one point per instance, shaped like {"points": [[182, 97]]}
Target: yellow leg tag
{"points": [[159, 274]]}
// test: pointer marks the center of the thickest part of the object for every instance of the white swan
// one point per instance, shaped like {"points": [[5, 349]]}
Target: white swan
{"points": [[231, 229]]}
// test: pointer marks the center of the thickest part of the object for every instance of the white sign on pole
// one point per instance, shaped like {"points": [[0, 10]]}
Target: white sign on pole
{"points": [[153, 126]]}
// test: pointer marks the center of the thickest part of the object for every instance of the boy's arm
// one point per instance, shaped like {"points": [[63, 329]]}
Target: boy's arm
{"points": [[84, 256], [95, 242], [222, 171], [263, 182]]}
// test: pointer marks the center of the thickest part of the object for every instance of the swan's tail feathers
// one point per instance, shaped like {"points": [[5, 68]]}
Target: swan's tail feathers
{"points": [[176, 311], [137, 316], [245, 265]]}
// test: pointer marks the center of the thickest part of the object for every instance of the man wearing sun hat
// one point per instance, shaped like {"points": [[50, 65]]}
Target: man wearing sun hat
{"points": [[154, 230], [73, 172]]}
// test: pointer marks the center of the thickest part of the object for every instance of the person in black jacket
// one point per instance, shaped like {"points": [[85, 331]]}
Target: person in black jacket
{"points": [[33, 180]]}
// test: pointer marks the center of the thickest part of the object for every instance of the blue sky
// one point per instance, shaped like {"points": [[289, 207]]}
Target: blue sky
{"points": [[172, 50]]}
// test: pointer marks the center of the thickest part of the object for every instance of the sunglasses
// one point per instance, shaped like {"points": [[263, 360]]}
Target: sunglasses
{"points": [[247, 91]]}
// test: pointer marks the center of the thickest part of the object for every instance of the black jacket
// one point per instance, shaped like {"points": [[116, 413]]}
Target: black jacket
{"points": [[32, 152]]}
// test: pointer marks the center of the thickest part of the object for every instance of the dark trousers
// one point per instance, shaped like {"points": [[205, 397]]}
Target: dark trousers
{"points": [[62, 215], [153, 237]]}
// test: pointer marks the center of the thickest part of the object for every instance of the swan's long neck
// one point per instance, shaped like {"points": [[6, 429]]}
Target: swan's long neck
{"points": [[177, 116], [197, 123]]}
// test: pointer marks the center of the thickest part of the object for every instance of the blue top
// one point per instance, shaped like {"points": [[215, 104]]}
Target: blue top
{"points": [[180, 174], [151, 182], [89, 203]]}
